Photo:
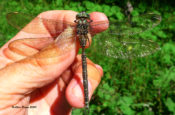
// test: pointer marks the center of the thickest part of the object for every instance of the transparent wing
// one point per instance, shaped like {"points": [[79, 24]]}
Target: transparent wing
{"points": [[44, 48], [36, 25], [62, 45], [136, 25], [63, 41], [123, 47]]}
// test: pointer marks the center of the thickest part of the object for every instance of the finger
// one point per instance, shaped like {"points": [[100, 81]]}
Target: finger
{"points": [[58, 20], [38, 25], [97, 17], [101, 20], [69, 17], [54, 94], [74, 91], [22, 48], [54, 16], [34, 72], [52, 98]]}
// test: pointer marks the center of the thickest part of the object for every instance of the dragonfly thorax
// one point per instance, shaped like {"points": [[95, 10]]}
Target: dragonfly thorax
{"points": [[83, 21], [82, 27]]}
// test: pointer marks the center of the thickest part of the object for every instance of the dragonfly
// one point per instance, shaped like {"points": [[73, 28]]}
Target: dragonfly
{"points": [[117, 47]]}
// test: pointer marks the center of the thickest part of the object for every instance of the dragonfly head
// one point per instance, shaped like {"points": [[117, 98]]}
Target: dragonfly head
{"points": [[82, 15]]}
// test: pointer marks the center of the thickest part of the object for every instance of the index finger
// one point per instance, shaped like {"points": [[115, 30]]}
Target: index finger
{"points": [[67, 17], [47, 28]]}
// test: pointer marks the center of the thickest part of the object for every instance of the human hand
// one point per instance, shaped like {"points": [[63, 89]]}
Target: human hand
{"points": [[52, 85]]}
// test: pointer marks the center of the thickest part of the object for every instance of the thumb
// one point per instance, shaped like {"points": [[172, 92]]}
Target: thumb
{"points": [[35, 71]]}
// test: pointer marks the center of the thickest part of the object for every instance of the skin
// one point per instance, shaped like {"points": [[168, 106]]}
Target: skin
{"points": [[50, 80]]}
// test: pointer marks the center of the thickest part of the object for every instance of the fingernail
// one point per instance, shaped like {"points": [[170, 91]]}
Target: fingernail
{"points": [[75, 94], [99, 69], [89, 88], [78, 90]]}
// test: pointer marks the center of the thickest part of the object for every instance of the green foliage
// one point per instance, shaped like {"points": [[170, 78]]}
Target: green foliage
{"points": [[170, 104], [142, 86]]}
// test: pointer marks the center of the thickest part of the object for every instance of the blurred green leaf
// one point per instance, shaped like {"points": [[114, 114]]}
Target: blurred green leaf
{"points": [[170, 104]]}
